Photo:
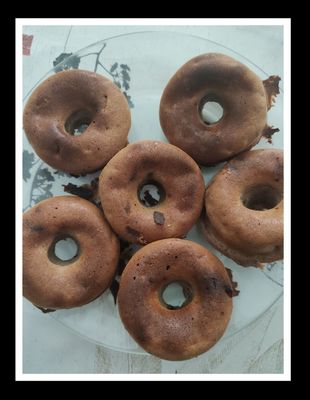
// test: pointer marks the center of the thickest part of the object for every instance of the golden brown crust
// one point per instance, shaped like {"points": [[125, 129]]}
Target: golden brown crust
{"points": [[173, 169], [49, 283], [248, 236], [182, 333], [214, 77], [77, 92]]}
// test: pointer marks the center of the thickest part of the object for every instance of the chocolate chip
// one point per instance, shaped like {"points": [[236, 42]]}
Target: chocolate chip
{"points": [[159, 218]]}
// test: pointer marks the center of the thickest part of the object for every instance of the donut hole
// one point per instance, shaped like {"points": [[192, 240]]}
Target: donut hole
{"points": [[211, 111], [261, 198], [151, 193], [175, 295], [78, 122], [64, 250]]}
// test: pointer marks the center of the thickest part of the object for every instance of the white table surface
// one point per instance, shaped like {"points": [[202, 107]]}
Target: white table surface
{"points": [[48, 347]]}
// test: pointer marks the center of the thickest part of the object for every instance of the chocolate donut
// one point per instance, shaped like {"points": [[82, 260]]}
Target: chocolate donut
{"points": [[176, 175], [49, 282], [245, 100], [181, 333], [70, 99], [244, 208]]}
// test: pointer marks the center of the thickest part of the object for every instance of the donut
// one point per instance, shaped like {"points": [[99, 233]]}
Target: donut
{"points": [[51, 283], [173, 172], [245, 100], [244, 208], [167, 332], [70, 99]]}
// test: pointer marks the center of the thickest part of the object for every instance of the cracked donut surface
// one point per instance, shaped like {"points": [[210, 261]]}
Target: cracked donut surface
{"points": [[67, 100], [164, 165], [244, 97]]}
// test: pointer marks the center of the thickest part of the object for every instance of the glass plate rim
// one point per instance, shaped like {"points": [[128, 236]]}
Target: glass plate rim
{"points": [[161, 32], [101, 41]]}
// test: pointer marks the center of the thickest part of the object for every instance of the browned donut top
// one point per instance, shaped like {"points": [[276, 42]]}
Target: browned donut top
{"points": [[151, 161], [182, 333], [66, 98], [219, 78], [51, 283], [244, 202]]}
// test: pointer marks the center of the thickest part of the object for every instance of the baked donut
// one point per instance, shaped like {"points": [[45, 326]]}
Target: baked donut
{"points": [[244, 208], [244, 98], [70, 99], [164, 331], [173, 172], [49, 282]]}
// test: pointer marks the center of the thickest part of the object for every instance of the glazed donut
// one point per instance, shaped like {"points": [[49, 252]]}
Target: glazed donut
{"points": [[176, 175], [244, 208], [49, 282], [67, 100], [244, 98], [169, 333]]}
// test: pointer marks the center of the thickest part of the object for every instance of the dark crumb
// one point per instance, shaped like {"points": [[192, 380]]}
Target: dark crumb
{"points": [[272, 89], [80, 191], [159, 218], [45, 310], [114, 289], [231, 291], [87, 191], [149, 200], [268, 132]]}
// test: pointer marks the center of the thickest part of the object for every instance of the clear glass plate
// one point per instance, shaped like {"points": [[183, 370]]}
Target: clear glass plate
{"points": [[141, 65]]}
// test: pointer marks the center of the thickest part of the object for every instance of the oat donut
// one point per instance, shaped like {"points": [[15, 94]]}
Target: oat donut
{"points": [[182, 333], [244, 97], [244, 208], [51, 283], [67, 100], [173, 171]]}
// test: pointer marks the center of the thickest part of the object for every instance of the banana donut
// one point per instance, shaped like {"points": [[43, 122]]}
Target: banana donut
{"points": [[245, 100], [66, 101], [167, 332], [49, 282], [173, 172], [244, 208]]}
